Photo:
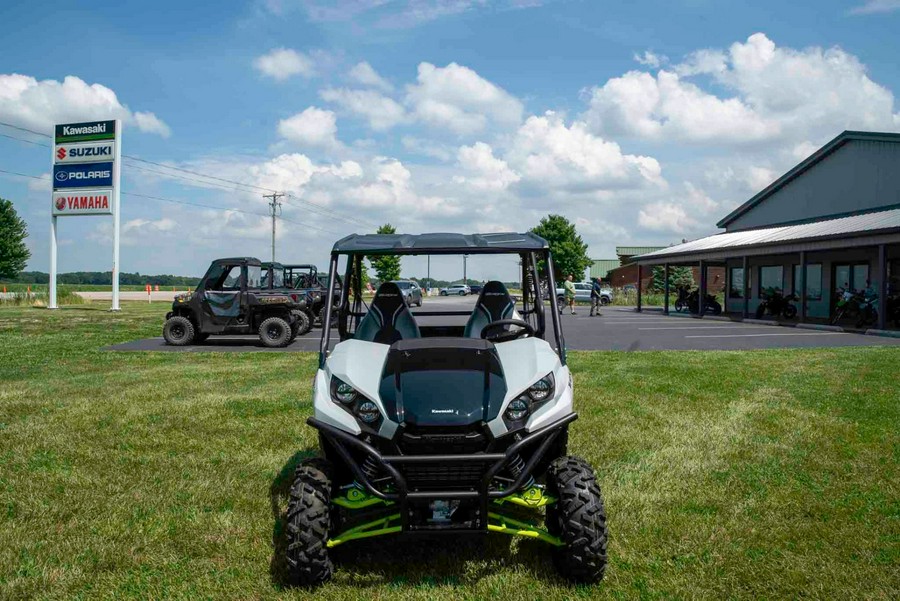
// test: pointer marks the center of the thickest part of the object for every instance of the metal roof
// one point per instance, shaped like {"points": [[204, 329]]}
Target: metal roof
{"points": [[864, 224], [600, 267], [630, 251], [806, 165], [441, 243]]}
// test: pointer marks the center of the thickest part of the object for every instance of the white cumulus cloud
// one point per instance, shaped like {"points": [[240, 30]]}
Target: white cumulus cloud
{"points": [[483, 170], [38, 105], [381, 112], [312, 127], [457, 98], [363, 74], [283, 63]]}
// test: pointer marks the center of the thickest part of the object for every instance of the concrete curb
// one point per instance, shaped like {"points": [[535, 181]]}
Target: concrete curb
{"points": [[820, 326], [763, 322], [886, 333]]}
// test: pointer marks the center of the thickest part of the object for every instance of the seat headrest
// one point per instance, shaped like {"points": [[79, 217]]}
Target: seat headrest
{"points": [[495, 300]]}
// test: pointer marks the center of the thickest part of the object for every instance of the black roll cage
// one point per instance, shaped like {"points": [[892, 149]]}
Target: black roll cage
{"points": [[531, 292]]}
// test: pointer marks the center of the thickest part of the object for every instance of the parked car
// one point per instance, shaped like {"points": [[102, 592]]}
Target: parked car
{"points": [[456, 290], [475, 289], [583, 293], [411, 291]]}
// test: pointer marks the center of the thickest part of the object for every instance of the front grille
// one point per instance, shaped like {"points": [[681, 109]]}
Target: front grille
{"points": [[447, 475], [442, 441]]}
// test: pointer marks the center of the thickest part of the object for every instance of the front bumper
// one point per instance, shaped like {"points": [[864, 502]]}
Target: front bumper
{"points": [[487, 466]]}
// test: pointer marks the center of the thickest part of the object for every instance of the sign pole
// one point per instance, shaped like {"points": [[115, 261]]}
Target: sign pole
{"points": [[117, 169], [52, 304]]}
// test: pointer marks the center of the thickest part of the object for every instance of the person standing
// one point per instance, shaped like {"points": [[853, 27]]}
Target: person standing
{"points": [[596, 297], [569, 286]]}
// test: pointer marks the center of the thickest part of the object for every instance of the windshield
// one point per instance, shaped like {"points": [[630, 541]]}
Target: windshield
{"points": [[402, 285]]}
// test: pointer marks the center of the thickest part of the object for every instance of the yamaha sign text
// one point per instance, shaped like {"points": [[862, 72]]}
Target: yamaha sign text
{"points": [[82, 202]]}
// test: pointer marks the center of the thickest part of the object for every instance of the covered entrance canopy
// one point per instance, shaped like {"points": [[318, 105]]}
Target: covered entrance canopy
{"points": [[835, 246]]}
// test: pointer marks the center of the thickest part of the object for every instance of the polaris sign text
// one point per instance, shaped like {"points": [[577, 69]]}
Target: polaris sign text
{"points": [[84, 153], [83, 175], [83, 202]]}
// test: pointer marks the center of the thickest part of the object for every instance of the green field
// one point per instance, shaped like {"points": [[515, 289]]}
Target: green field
{"points": [[764, 474]]}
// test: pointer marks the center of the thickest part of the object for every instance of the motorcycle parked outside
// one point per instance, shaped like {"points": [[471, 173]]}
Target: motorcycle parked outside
{"points": [[847, 305], [777, 304], [893, 310], [868, 309], [693, 303], [681, 303]]}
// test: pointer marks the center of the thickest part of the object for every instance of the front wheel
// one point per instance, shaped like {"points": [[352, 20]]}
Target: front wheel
{"points": [[604, 301], [578, 518], [178, 331], [275, 332], [679, 306], [790, 312], [308, 524]]}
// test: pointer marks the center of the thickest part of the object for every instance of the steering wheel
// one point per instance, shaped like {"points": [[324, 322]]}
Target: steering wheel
{"points": [[505, 336]]}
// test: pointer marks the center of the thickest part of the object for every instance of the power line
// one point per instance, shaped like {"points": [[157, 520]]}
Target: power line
{"points": [[25, 175], [314, 207]]}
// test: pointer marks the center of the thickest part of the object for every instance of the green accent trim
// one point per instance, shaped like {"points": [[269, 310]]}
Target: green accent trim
{"points": [[367, 530], [520, 528], [355, 498], [533, 497], [84, 138]]}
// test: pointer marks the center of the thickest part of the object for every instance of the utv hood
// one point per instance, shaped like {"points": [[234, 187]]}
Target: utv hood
{"points": [[442, 382]]}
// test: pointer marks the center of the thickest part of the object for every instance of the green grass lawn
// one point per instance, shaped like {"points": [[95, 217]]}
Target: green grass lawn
{"points": [[763, 474]]}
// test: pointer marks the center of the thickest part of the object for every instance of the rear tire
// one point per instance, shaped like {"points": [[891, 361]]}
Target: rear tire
{"points": [[178, 331], [308, 524], [578, 518], [274, 332], [790, 311], [322, 317], [604, 301], [302, 325]]}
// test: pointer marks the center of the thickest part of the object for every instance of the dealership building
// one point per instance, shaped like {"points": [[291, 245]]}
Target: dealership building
{"points": [[831, 222]]}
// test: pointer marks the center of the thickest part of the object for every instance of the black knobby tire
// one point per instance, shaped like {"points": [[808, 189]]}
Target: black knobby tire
{"points": [[578, 518], [178, 331], [790, 311], [274, 332], [679, 306], [310, 321], [302, 325], [308, 522]]}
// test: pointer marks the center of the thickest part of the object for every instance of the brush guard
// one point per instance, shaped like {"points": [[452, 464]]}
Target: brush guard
{"points": [[485, 465]]}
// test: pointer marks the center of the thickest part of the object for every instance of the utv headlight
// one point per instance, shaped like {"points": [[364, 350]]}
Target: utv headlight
{"points": [[542, 389], [342, 392], [367, 412], [517, 409]]}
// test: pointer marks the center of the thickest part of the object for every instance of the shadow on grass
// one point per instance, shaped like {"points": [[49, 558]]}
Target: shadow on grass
{"points": [[420, 561]]}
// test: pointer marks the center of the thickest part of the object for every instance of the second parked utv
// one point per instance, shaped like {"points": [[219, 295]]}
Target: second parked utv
{"points": [[456, 427], [229, 300]]}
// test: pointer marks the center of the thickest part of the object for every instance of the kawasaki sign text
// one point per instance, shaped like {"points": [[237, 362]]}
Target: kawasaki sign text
{"points": [[83, 132]]}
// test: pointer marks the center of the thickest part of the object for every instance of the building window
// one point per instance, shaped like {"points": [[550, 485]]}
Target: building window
{"points": [[771, 276], [736, 283], [813, 281]]}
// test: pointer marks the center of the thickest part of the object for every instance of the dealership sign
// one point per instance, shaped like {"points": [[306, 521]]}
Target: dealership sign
{"points": [[84, 153], [87, 158], [82, 202]]}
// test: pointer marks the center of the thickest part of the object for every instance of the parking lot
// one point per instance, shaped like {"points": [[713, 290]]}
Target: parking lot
{"points": [[619, 329]]}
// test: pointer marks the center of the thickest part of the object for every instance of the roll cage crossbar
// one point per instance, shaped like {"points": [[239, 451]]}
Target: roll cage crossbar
{"points": [[533, 252]]}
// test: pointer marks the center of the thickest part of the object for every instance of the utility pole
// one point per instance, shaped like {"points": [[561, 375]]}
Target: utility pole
{"points": [[275, 207], [464, 268]]}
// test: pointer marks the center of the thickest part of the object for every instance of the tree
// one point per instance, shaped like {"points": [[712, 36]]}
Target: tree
{"points": [[387, 267], [569, 250], [678, 276], [13, 252]]}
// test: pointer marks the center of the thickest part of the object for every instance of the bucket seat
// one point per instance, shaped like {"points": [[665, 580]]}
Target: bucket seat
{"points": [[388, 319], [494, 303]]}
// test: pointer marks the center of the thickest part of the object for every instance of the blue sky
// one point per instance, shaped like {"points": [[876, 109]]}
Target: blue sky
{"points": [[644, 122]]}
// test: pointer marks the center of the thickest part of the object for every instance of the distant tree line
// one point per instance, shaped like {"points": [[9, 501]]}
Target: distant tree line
{"points": [[103, 278]]}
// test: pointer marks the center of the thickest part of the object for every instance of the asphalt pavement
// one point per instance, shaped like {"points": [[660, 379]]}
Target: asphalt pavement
{"points": [[618, 329]]}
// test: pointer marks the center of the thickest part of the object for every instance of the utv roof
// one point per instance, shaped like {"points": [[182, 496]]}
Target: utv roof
{"points": [[434, 244], [276, 264], [233, 260]]}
